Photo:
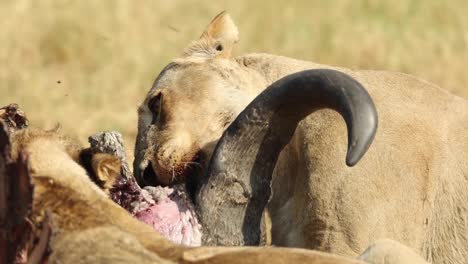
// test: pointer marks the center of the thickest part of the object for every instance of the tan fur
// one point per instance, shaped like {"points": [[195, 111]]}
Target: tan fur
{"points": [[387, 251], [105, 244], [409, 187], [221, 34], [89, 228], [107, 170]]}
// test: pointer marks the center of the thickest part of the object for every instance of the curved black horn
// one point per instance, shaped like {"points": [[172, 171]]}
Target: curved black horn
{"points": [[235, 190]]}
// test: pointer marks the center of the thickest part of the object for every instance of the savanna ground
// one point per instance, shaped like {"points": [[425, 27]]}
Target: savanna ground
{"points": [[87, 64]]}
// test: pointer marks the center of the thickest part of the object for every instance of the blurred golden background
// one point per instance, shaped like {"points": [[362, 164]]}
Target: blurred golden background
{"points": [[87, 64]]}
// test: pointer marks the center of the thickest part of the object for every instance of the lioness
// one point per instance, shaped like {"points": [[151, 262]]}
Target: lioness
{"points": [[409, 187]]}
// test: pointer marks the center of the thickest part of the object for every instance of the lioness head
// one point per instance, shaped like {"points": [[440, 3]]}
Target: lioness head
{"points": [[191, 102]]}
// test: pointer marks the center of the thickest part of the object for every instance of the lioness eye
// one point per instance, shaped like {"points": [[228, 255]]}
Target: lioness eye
{"points": [[154, 105]]}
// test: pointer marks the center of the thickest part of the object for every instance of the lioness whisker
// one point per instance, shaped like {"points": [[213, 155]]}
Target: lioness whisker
{"points": [[173, 174], [191, 163]]}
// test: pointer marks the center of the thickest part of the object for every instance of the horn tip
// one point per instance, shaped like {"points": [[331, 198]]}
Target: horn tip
{"points": [[352, 160]]}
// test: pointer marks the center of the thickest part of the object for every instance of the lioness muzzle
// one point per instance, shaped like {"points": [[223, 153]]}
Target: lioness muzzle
{"points": [[236, 189]]}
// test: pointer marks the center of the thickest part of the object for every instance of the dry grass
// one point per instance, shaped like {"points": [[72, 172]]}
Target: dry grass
{"points": [[87, 64]]}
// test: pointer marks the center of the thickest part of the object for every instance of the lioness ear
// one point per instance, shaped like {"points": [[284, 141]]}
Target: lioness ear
{"points": [[222, 28], [105, 170], [217, 40]]}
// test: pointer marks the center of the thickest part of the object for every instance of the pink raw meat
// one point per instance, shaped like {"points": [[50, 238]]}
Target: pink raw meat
{"points": [[168, 210]]}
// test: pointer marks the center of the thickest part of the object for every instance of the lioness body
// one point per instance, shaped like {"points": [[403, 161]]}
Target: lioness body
{"points": [[408, 187], [405, 188]]}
